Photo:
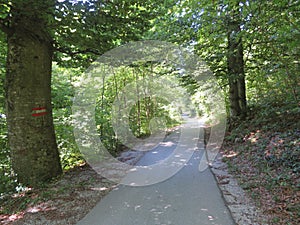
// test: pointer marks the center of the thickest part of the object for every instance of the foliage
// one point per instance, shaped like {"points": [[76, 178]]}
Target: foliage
{"points": [[263, 153], [270, 40], [143, 111], [81, 30], [7, 178], [273, 46], [84, 30], [62, 96], [265, 146], [2, 70], [264, 149]]}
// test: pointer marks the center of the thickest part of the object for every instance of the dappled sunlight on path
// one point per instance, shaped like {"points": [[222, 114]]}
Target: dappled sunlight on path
{"points": [[189, 197]]}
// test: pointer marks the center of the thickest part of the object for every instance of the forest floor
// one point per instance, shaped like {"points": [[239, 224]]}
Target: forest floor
{"points": [[64, 201], [70, 198], [262, 153]]}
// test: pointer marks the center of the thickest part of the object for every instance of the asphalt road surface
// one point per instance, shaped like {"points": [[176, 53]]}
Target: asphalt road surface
{"points": [[189, 197]]}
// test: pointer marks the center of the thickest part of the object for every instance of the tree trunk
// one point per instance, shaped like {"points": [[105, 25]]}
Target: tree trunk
{"points": [[31, 135], [235, 64]]}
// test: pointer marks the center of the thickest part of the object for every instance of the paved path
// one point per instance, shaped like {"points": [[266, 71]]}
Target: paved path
{"points": [[189, 197]]}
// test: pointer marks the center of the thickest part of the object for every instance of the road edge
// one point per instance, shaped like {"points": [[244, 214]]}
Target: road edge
{"points": [[241, 207]]}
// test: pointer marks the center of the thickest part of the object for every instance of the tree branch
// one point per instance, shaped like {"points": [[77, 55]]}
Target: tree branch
{"points": [[71, 53]]}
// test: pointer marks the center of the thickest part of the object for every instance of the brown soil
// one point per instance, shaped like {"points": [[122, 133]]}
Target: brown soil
{"points": [[63, 202]]}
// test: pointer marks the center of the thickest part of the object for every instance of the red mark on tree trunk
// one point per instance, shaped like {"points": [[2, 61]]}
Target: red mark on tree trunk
{"points": [[40, 111]]}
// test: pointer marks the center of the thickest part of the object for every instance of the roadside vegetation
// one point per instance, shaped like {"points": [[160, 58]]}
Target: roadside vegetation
{"points": [[263, 152], [251, 47]]}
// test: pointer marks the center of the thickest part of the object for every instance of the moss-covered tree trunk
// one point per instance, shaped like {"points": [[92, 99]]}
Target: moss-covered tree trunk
{"points": [[31, 133]]}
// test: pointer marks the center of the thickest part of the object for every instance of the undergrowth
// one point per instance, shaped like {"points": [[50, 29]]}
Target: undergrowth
{"points": [[263, 152]]}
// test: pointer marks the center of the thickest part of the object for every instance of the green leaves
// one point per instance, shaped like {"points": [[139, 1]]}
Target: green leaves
{"points": [[4, 9], [93, 27], [270, 36]]}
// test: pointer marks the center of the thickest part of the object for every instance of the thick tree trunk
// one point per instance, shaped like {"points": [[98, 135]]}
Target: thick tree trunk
{"points": [[31, 134], [235, 64]]}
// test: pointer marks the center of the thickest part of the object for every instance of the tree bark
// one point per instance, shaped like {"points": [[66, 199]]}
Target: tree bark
{"points": [[31, 135], [235, 65]]}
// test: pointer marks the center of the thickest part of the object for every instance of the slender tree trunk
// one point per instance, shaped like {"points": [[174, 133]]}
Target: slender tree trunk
{"points": [[235, 64], [31, 134], [139, 124], [102, 107]]}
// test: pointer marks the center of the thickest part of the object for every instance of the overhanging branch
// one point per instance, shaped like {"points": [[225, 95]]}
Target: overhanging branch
{"points": [[71, 53]]}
